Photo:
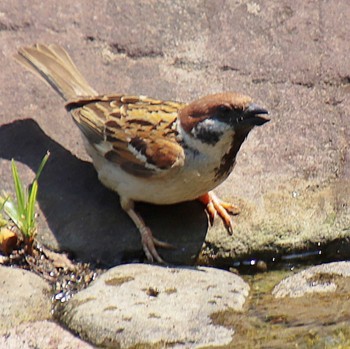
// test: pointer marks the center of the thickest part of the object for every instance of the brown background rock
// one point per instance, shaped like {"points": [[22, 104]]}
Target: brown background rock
{"points": [[292, 178]]}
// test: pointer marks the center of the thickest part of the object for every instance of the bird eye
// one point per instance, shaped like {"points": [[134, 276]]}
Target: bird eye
{"points": [[224, 109]]}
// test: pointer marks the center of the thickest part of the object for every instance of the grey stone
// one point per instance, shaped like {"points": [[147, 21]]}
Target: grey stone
{"points": [[25, 297], [142, 304], [41, 335], [312, 280]]}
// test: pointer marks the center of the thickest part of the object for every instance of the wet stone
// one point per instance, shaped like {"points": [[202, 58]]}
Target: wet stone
{"points": [[318, 279]]}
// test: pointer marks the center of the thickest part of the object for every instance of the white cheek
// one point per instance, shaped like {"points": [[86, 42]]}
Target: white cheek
{"points": [[210, 124], [218, 125]]}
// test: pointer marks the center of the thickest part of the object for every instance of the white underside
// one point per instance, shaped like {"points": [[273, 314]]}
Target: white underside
{"points": [[187, 183]]}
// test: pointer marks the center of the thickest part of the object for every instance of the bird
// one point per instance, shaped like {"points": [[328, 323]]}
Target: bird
{"points": [[151, 150]]}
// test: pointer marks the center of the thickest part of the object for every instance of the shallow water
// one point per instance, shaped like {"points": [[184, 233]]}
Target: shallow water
{"points": [[314, 321]]}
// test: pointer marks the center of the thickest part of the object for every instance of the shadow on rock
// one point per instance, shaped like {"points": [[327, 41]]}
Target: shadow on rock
{"points": [[83, 217]]}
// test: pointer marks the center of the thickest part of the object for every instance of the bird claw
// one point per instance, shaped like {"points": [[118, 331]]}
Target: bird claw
{"points": [[216, 206], [149, 244]]}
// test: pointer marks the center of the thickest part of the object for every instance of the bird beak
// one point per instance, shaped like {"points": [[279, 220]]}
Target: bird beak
{"points": [[254, 115]]}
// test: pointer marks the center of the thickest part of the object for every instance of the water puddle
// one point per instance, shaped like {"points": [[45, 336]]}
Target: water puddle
{"points": [[318, 320]]}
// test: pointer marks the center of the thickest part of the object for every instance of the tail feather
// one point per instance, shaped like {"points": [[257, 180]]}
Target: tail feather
{"points": [[53, 64]]}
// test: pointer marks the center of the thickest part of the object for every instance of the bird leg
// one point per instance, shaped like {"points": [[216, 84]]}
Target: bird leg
{"points": [[149, 242], [216, 206]]}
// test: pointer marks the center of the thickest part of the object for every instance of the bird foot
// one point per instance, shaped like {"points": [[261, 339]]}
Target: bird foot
{"points": [[150, 244], [215, 206]]}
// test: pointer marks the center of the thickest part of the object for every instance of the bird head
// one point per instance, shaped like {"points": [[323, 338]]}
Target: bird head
{"points": [[218, 124], [216, 116]]}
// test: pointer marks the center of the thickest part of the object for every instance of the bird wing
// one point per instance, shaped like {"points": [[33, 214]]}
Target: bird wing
{"points": [[137, 133]]}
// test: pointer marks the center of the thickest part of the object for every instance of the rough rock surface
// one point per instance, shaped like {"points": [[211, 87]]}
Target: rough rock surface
{"points": [[41, 335], [25, 297], [321, 278], [292, 178], [142, 304]]}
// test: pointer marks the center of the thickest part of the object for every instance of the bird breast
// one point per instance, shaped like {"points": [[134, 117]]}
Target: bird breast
{"points": [[196, 177]]}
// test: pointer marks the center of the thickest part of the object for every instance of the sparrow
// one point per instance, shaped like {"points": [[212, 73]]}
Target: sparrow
{"points": [[151, 150]]}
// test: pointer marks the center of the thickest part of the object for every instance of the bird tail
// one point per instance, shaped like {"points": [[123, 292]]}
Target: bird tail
{"points": [[53, 64]]}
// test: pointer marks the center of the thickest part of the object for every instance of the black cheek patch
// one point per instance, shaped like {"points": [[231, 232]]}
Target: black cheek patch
{"points": [[207, 134]]}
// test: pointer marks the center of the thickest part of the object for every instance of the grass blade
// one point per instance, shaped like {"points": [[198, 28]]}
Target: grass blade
{"points": [[11, 210], [3, 201], [20, 191], [30, 216], [22, 210], [41, 166]]}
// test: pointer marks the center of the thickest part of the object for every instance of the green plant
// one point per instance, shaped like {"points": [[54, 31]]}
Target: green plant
{"points": [[22, 210], [3, 221]]}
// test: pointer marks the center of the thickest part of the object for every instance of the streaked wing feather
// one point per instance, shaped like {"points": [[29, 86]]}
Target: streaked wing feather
{"points": [[116, 126]]}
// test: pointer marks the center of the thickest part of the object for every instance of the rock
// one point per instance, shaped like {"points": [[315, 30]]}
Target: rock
{"points": [[25, 297], [292, 178], [139, 304], [318, 279], [41, 335]]}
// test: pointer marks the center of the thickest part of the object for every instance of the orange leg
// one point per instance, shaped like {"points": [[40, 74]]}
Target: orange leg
{"points": [[216, 206]]}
